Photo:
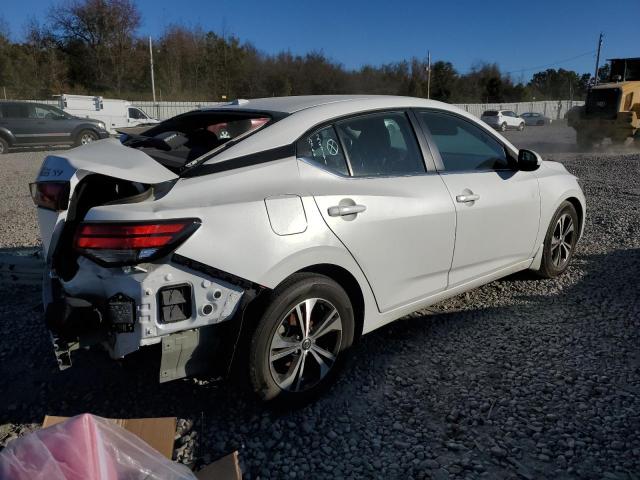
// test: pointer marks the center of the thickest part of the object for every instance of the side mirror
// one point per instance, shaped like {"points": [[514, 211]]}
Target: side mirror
{"points": [[528, 160]]}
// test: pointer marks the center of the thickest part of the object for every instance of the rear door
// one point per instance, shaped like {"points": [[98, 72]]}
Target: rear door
{"points": [[497, 206], [511, 118], [395, 217]]}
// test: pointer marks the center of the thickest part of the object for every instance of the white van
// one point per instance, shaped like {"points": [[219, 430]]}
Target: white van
{"points": [[114, 113]]}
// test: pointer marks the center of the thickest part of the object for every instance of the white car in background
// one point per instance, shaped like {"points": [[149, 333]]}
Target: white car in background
{"points": [[503, 120], [280, 230]]}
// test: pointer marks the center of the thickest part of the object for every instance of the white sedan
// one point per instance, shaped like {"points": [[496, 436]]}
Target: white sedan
{"points": [[278, 231]]}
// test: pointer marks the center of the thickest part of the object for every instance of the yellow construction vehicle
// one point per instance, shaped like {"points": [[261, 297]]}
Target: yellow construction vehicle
{"points": [[612, 109]]}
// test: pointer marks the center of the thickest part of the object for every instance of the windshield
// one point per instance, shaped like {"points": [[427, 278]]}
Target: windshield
{"points": [[490, 113], [187, 140]]}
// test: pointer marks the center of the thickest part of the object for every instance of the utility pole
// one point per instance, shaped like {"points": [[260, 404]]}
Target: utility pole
{"points": [[153, 83], [570, 92], [429, 74], [598, 59]]}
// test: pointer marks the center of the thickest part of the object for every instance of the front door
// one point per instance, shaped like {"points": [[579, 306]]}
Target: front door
{"points": [[396, 219], [50, 125], [497, 206]]}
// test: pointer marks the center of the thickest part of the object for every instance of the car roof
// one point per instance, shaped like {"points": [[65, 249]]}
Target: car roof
{"points": [[293, 104], [301, 114]]}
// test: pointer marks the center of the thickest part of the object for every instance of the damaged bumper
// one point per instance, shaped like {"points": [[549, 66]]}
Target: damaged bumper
{"points": [[126, 308]]}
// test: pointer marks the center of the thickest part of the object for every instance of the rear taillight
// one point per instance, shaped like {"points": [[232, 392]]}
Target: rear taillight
{"points": [[50, 195], [128, 243]]}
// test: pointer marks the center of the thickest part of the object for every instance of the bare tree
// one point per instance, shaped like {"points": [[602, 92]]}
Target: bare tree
{"points": [[99, 34]]}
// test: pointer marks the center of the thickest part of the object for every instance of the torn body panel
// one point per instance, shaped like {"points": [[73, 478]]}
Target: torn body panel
{"points": [[140, 305]]}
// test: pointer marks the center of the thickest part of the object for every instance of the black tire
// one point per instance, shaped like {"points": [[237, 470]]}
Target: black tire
{"points": [[85, 137], [4, 146], [584, 141], [521, 126], [557, 257], [503, 127], [279, 326]]}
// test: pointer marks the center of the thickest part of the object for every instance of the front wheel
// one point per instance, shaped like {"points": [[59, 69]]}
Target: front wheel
{"points": [[560, 241], [4, 146], [301, 339], [503, 127], [521, 126], [85, 137]]}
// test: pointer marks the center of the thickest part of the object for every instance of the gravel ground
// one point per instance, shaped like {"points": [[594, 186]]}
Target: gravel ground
{"points": [[521, 378]]}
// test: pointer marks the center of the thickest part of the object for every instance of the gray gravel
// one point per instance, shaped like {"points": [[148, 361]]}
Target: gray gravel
{"points": [[522, 378]]}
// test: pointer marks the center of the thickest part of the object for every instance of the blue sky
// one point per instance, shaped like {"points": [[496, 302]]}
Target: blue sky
{"points": [[517, 35]]}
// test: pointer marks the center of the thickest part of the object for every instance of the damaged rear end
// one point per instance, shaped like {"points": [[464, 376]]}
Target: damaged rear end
{"points": [[114, 279]]}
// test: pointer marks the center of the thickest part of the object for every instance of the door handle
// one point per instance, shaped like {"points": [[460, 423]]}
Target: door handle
{"points": [[467, 198], [343, 210]]}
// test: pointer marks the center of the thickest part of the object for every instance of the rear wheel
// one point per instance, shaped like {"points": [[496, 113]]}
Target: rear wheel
{"points": [[584, 141], [301, 338], [521, 126], [560, 241], [4, 146], [503, 127], [85, 137]]}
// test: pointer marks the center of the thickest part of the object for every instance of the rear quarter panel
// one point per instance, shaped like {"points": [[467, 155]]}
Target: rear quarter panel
{"points": [[236, 234]]}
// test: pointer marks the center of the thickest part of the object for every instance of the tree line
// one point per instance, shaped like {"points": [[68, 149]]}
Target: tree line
{"points": [[93, 47]]}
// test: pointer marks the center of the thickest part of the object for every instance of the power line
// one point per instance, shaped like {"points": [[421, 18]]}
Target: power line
{"points": [[591, 52]]}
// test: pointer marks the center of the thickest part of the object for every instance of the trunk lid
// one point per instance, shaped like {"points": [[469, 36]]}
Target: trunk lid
{"points": [[108, 158]]}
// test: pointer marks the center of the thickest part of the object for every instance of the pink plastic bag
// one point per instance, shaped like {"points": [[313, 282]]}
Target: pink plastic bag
{"points": [[86, 447]]}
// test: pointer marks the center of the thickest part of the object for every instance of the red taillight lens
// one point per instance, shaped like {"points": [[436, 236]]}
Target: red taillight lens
{"points": [[132, 242], [50, 195]]}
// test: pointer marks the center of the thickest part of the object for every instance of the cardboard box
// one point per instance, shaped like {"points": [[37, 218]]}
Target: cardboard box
{"points": [[160, 433]]}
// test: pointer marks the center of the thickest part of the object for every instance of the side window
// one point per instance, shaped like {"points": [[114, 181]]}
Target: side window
{"points": [[135, 113], [43, 111], [381, 144], [15, 110], [464, 146], [323, 147]]}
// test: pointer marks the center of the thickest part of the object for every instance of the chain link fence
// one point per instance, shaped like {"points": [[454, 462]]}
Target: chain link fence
{"points": [[554, 109]]}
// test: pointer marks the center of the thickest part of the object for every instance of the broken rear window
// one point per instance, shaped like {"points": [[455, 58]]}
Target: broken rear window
{"points": [[186, 140]]}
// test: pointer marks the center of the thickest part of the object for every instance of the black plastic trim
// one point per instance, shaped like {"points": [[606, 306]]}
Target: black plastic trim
{"points": [[188, 301], [265, 156], [216, 273]]}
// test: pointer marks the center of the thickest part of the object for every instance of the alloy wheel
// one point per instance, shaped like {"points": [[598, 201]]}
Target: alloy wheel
{"points": [[305, 345], [562, 240], [86, 138]]}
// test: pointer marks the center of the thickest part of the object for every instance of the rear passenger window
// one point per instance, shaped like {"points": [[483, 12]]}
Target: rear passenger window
{"points": [[323, 148], [15, 110], [462, 145], [381, 144]]}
